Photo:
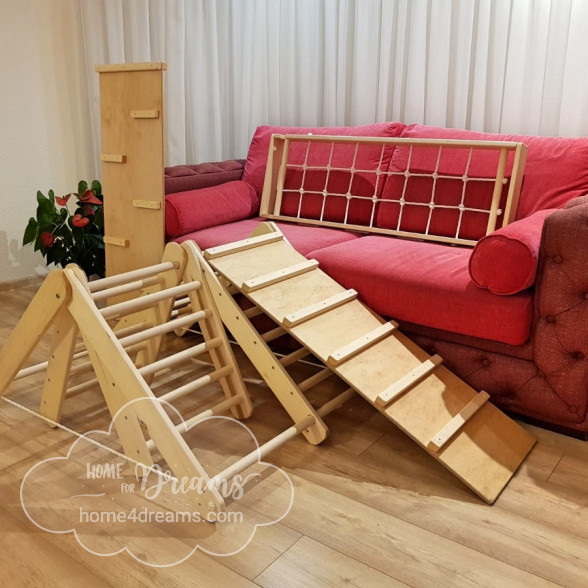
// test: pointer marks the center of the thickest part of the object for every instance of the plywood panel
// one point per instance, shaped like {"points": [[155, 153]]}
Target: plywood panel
{"points": [[141, 175]]}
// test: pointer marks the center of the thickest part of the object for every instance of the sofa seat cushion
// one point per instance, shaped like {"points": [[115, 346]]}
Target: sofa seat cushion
{"points": [[505, 262], [303, 239], [190, 211], [427, 284]]}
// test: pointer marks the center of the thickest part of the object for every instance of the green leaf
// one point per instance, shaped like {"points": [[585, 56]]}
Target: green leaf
{"points": [[30, 233], [97, 187], [40, 197], [82, 187]]}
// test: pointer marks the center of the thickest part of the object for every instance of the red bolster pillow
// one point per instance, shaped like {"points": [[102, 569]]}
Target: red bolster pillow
{"points": [[505, 262], [186, 212]]}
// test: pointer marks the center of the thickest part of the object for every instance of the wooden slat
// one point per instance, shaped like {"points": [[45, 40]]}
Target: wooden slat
{"points": [[145, 113], [314, 310], [279, 276], [409, 380], [458, 421], [113, 158], [361, 344], [118, 241], [139, 66], [243, 245], [149, 204]]}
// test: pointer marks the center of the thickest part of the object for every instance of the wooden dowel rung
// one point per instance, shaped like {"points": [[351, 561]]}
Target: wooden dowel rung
{"points": [[273, 334], [258, 454], [219, 408], [196, 384], [361, 344], [335, 403], [314, 380], [124, 288], [409, 380], [164, 328], [83, 387], [294, 356], [243, 245], [458, 421], [253, 311], [314, 310], [181, 302], [130, 306], [180, 357], [137, 274], [281, 275], [180, 312], [81, 368]]}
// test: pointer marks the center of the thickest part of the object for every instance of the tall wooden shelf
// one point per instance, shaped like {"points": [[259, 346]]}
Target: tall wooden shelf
{"points": [[132, 154]]}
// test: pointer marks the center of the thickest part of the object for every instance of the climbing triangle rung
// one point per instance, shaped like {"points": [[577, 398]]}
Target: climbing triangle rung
{"points": [[243, 245], [294, 356], [219, 408], [272, 278], [316, 379], [273, 334], [263, 450], [196, 384], [458, 421], [180, 357], [137, 274], [164, 328], [125, 288], [409, 380], [147, 301], [253, 311], [314, 310], [361, 344]]}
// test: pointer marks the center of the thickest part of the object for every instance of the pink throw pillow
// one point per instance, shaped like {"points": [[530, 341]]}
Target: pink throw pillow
{"points": [[186, 212]]}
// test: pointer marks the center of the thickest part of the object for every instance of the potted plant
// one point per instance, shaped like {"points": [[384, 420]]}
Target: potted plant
{"points": [[63, 236]]}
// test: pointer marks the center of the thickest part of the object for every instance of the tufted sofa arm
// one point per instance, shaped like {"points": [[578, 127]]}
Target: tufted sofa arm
{"points": [[560, 331], [180, 178]]}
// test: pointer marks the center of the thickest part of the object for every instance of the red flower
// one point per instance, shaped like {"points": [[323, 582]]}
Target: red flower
{"points": [[88, 197], [79, 221], [47, 239], [62, 200]]}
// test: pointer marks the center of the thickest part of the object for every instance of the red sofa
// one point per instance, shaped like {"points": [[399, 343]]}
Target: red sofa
{"points": [[510, 316]]}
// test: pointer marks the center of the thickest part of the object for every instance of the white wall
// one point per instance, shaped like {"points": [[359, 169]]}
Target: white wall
{"points": [[44, 134]]}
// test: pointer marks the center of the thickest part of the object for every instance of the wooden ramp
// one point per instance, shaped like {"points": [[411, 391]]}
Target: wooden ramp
{"points": [[121, 344], [444, 415]]}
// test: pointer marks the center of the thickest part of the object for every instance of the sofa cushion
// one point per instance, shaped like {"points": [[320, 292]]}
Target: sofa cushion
{"points": [[555, 172], [180, 178], [193, 210], [303, 239], [505, 262], [427, 284]]}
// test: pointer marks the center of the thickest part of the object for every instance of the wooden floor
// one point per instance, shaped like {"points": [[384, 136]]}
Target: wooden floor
{"points": [[370, 508]]}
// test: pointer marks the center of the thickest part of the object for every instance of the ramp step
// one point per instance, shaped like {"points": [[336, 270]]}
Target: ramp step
{"points": [[409, 380], [319, 308], [458, 421], [243, 245], [279, 276], [361, 344]]}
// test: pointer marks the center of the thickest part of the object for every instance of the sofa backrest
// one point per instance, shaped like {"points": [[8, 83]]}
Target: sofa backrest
{"points": [[555, 172], [255, 166]]}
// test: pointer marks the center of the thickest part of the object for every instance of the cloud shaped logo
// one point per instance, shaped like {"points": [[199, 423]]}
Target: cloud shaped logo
{"points": [[113, 504]]}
